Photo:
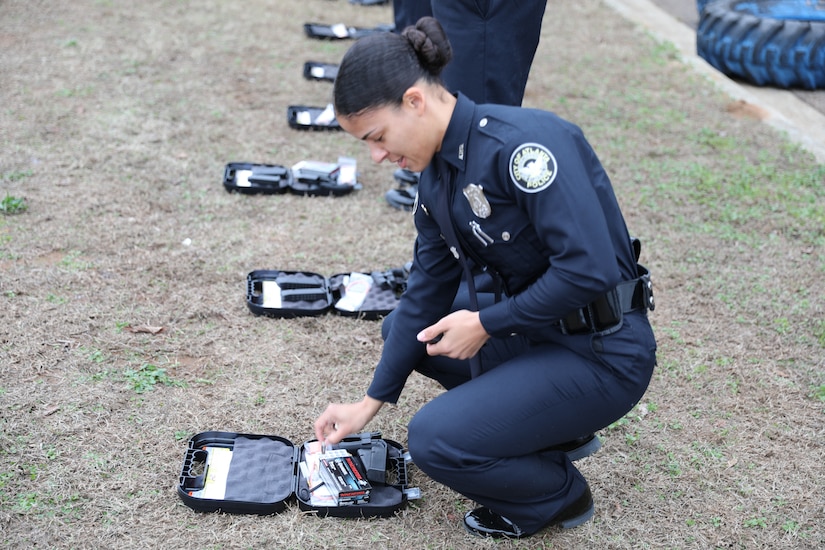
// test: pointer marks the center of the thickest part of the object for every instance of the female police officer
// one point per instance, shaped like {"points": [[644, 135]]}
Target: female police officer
{"points": [[565, 350]]}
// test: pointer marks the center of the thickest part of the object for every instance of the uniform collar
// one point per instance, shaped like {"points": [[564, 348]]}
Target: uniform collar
{"points": [[454, 144]]}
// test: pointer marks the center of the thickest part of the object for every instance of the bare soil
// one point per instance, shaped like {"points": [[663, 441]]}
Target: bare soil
{"points": [[124, 329]]}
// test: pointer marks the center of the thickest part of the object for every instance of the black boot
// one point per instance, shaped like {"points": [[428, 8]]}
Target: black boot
{"points": [[578, 448], [486, 523]]}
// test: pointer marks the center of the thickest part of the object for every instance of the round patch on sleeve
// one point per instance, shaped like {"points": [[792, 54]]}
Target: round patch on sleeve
{"points": [[532, 167]]}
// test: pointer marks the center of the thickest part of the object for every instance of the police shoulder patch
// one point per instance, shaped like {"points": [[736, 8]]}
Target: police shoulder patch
{"points": [[532, 167]]}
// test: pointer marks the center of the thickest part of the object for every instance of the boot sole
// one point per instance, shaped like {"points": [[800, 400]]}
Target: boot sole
{"points": [[578, 520], [585, 450]]}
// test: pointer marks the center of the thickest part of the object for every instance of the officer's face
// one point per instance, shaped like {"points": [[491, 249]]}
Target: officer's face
{"points": [[395, 134]]}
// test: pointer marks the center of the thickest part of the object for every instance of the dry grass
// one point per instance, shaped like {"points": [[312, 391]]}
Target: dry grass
{"points": [[117, 119]]}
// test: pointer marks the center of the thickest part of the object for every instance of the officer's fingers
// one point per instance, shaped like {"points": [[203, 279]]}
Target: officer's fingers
{"points": [[432, 332], [325, 424], [428, 334], [433, 345], [436, 339], [335, 434], [320, 430]]}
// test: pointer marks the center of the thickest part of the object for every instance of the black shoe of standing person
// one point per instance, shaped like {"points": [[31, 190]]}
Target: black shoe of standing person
{"points": [[579, 448], [402, 198], [406, 177], [486, 523]]}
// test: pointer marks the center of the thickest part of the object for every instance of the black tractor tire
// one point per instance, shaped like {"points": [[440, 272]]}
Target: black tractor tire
{"points": [[765, 42]]}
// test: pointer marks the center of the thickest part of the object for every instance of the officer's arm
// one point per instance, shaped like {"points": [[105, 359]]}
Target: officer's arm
{"points": [[431, 289], [569, 220]]}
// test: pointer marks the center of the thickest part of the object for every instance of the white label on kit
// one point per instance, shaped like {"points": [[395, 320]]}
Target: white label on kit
{"points": [[303, 118], [340, 30], [242, 178], [272, 295], [217, 470]]}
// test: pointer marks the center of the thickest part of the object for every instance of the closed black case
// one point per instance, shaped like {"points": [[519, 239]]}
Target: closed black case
{"points": [[266, 179]]}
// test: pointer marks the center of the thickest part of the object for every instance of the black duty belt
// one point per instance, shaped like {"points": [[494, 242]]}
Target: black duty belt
{"points": [[607, 311]]}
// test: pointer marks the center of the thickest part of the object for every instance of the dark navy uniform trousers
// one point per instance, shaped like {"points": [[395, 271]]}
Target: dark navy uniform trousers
{"points": [[487, 437], [493, 41]]}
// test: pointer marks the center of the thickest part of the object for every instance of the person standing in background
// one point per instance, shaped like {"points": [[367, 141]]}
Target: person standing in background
{"points": [[494, 43]]}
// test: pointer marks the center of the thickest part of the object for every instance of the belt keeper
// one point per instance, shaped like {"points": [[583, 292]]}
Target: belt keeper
{"points": [[647, 291], [603, 313], [576, 322]]}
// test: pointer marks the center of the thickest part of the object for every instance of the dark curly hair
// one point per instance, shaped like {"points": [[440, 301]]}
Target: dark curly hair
{"points": [[379, 68]]}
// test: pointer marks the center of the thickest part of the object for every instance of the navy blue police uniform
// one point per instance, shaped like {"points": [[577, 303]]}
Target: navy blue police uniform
{"points": [[529, 201]]}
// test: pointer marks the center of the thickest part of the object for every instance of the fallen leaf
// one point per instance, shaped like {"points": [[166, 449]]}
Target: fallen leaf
{"points": [[742, 109]]}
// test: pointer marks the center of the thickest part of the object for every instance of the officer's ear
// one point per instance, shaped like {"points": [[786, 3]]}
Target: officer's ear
{"points": [[414, 99]]}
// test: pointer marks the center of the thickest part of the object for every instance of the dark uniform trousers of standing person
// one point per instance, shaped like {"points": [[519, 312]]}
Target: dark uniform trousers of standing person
{"points": [[493, 41], [532, 201], [408, 12]]}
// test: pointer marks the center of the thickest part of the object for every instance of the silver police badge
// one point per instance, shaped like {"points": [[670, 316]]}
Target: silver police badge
{"points": [[532, 167], [478, 202]]}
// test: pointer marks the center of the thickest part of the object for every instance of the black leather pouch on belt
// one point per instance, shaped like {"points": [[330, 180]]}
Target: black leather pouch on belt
{"points": [[601, 314]]}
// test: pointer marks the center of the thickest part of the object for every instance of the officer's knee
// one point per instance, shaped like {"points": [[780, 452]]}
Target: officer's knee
{"points": [[386, 324], [419, 442], [427, 444]]}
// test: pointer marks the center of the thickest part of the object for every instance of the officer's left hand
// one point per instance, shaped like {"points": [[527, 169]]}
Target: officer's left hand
{"points": [[462, 335]]}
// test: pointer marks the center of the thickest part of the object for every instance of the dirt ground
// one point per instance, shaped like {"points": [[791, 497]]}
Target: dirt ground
{"points": [[123, 263]]}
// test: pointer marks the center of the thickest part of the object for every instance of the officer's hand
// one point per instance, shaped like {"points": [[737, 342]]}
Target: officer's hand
{"points": [[459, 335], [342, 419]]}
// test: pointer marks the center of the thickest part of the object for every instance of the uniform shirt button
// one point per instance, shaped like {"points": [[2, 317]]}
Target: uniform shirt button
{"points": [[505, 236], [482, 123]]}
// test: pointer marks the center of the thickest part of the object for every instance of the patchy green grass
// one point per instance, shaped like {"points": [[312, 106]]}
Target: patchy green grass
{"points": [[131, 122], [13, 205], [147, 376]]}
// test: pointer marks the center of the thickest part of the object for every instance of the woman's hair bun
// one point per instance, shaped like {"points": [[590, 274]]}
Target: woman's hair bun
{"points": [[430, 44]]}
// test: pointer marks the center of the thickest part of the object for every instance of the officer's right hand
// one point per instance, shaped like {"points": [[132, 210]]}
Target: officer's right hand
{"points": [[342, 419], [459, 335]]}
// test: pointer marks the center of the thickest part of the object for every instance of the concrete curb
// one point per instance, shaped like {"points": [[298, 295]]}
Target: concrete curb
{"points": [[802, 123]]}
